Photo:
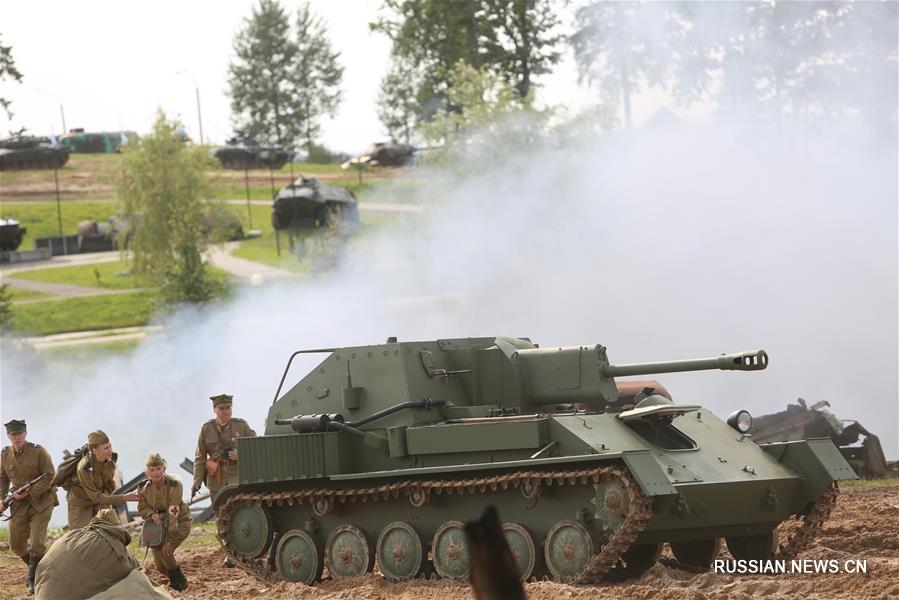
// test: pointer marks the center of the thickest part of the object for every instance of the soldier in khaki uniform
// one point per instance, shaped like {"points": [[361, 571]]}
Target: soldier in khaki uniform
{"points": [[161, 500], [215, 463], [20, 463], [93, 485]]}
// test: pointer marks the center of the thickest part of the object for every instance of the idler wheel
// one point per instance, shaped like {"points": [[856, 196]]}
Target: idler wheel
{"points": [[348, 552], [699, 553], [299, 558], [524, 551], [249, 531], [753, 547], [400, 552], [568, 547], [450, 551]]}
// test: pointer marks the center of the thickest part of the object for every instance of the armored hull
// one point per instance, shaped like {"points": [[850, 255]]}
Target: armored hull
{"points": [[247, 153], [307, 203], [27, 152], [380, 454], [11, 235]]}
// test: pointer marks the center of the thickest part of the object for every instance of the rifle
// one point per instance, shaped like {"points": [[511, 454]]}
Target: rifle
{"points": [[11, 496]]}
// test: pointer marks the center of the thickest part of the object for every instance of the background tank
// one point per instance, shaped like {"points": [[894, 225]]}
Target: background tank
{"points": [[307, 202], [381, 453], [30, 152], [247, 153], [799, 422], [96, 142], [385, 154], [11, 235]]}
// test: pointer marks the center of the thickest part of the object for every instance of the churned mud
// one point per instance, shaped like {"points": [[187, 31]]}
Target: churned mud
{"points": [[864, 526]]}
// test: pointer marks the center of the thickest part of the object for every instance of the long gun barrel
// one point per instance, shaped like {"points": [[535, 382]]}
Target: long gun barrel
{"points": [[11, 496], [749, 360]]}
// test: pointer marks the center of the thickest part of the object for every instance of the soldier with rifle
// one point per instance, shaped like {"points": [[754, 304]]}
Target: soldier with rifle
{"points": [[28, 468], [215, 463]]}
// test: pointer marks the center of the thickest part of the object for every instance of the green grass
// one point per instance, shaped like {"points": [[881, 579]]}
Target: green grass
{"points": [[87, 312], [41, 219], [20, 294], [110, 275], [867, 484]]}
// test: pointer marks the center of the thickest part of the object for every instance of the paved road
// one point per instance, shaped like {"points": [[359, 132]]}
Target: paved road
{"points": [[80, 338], [220, 256]]}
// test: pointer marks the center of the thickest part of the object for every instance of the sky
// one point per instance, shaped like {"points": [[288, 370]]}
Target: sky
{"points": [[112, 64]]}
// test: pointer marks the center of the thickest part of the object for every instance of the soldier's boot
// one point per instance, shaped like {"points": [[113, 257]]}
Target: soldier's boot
{"points": [[26, 559], [177, 579], [33, 560], [228, 562]]}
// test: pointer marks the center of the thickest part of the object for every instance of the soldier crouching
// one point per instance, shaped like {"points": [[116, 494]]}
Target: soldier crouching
{"points": [[160, 502]]}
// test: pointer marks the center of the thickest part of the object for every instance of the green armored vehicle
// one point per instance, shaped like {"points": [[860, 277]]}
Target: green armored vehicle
{"points": [[381, 453], [20, 152], [308, 203], [246, 153]]}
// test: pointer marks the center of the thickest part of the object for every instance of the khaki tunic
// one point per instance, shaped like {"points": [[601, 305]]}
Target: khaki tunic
{"points": [[91, 490], [160, 498], [212, 439], [28, 517], [84, 562]]}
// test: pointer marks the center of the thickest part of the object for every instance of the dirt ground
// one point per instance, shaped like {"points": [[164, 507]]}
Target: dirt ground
{"points": [[864, 526]]}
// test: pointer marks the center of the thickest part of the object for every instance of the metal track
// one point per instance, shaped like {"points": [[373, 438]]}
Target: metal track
{"points": [[639, 510], [803, 537]]}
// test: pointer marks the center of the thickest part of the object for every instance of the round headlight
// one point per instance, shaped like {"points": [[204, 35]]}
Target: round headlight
{"points": [[740, 420]]}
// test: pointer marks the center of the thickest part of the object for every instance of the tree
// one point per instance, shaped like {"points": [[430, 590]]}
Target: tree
{"points": [[522, 39], [283, 81], [489, 116], [316, 75], [6, 314], [513, 38], [260, 78], [8, 70], [162, 183], [620, 47], [398, 107]]}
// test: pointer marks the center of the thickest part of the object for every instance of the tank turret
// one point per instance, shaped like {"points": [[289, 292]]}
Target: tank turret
{"points": [[381, 453]]}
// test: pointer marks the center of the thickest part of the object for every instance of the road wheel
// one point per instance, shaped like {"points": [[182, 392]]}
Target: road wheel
{"points": [[400, 551], [699, 553], [753, 547]]}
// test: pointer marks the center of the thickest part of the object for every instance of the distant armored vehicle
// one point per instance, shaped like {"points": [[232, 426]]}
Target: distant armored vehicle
{"points": [[96, 142], [382, 453], [384, 154], [20, 152], [308, 203], [11, 234], [799, 422], [247, 153]]}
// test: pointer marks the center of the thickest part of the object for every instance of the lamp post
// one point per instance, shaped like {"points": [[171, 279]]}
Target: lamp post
{"points": [[199, 113], [62, 112]]}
